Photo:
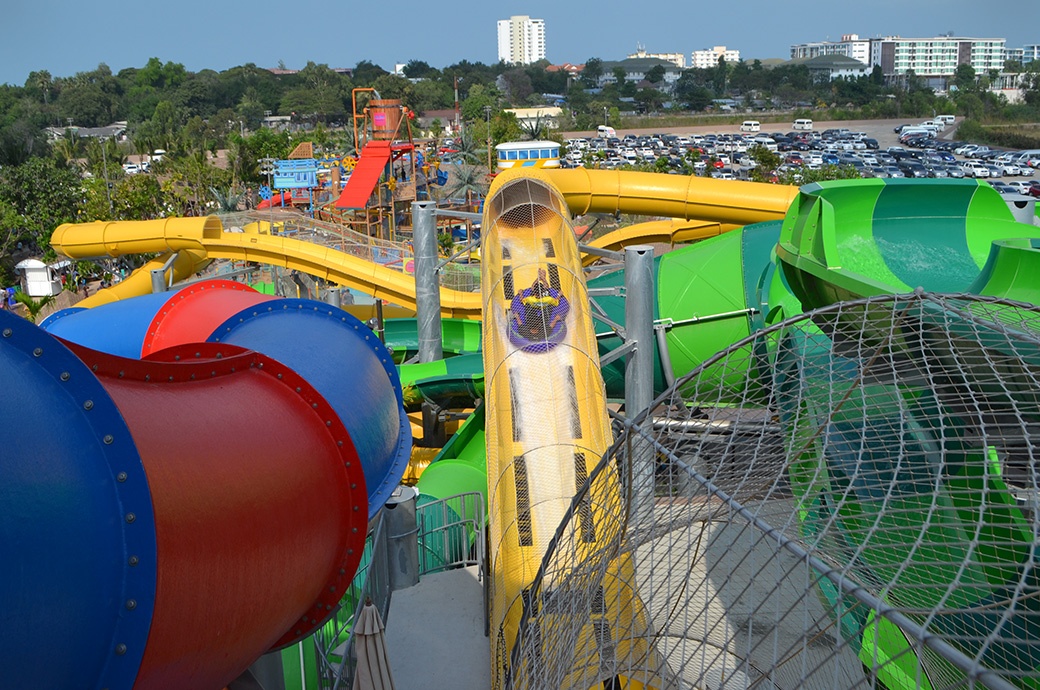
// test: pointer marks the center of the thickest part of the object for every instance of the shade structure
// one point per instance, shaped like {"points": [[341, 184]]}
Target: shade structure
{"points": [[373, 661]]}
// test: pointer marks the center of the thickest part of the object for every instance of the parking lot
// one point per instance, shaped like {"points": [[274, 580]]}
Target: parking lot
{"points": [[871, 147]]}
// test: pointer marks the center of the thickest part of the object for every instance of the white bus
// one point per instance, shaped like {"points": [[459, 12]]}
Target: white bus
{"points": [[528, 154]]}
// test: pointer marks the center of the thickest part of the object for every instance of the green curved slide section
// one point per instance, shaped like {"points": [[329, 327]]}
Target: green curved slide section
{"points": [[858, 238], [453, 382], [844, 240], [458, 337]]}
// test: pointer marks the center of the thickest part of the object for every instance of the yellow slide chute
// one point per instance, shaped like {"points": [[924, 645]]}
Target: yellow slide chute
{"points": [[702, 208], [547, 428]]}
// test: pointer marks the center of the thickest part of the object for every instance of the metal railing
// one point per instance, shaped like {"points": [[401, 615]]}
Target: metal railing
{"points": [[451, 535], [334, 641]]}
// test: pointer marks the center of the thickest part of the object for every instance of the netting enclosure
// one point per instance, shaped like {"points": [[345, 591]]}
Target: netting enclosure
{"points": [[862, 515]]}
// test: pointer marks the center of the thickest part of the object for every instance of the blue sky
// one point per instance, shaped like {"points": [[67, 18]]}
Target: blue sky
{"points": [[65, 37]]}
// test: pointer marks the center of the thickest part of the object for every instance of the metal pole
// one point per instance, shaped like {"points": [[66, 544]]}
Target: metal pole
{"points": [[427, 288], [639, 372], [158, 280]]}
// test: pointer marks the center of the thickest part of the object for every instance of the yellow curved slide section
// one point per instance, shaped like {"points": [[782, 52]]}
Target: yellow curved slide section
{"points": [[206, 237], [547, 428], [718, 204], [674, 231], [730, 202]]}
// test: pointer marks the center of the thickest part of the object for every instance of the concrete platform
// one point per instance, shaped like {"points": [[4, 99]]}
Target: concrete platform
{"points": [[435, 633]]}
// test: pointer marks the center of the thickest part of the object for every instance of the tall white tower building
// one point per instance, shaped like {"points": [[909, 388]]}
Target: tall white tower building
{"points": [[521, 40]]}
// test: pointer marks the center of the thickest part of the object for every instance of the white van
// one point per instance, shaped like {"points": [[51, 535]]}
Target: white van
{"points": [[765, 141], [606, 132], [751, 126], [946, 119], [803, 124], [937, 123]]}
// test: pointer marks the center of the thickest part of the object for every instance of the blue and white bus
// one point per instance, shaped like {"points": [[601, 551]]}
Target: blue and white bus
{"points": [[528, 154]]}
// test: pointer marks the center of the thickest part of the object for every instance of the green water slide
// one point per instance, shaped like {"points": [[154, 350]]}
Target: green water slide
{"points": [[458, 337], [856, 238], [453, 382], [849, 239]]}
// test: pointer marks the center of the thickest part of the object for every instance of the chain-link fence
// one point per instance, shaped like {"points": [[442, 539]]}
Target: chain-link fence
{"points": [[864, 517]]}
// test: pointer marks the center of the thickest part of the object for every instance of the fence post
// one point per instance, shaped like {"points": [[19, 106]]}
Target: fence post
{"points": [[639, 372]]}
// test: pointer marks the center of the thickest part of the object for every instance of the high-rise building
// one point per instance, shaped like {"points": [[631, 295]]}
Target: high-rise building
{"points": [[703, 59], [850, 45], [521, 40], [935, 59], [1031, 53]]}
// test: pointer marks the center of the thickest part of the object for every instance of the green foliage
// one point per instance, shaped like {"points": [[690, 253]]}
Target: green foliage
{"points": [[1010, 137], [766, 163], [805, 175], [43, 194], [33, 306]]}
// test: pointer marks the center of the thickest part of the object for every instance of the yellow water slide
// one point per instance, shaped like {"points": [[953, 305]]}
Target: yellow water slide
{"points": [[204, 238], [702, 208], [547, 428]]}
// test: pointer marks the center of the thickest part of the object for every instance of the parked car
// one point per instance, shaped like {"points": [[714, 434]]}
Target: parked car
{"points": [[1021, 185], [975, 169], [131, 168]]}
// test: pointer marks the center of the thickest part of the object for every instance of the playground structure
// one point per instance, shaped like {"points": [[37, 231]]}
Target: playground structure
{"points": [[589, 611]]}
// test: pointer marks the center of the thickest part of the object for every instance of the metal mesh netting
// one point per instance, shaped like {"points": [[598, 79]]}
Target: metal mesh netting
{"points": [[864, 515]]}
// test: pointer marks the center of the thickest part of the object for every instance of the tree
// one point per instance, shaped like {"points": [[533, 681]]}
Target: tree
{"points": [[479, 96], [366, 72], [417, 69], [649, 100], [719, 76], [964, 78], [468, 181], [655, 74], [592, 72], [10, 233], [766, 163], [690, 90], [33, 306], [517, 85], [43, 194]]}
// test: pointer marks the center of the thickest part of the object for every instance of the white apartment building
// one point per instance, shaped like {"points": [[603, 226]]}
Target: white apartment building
{"points": [[677, 59], [704, 59], [1030, 53], [936, 59], [850, 45], [521, 40]]}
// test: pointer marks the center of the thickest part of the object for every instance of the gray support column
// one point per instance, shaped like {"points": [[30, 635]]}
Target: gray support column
{"points": [[402, 538], [334, 297], [427, 287], [158, 280], [639, 372]]}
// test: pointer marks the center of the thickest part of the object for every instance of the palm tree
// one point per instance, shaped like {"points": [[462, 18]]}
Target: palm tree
{"points": [[32, 306], [227, 202], [469, 180], [469, 150], [535, 129]]}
